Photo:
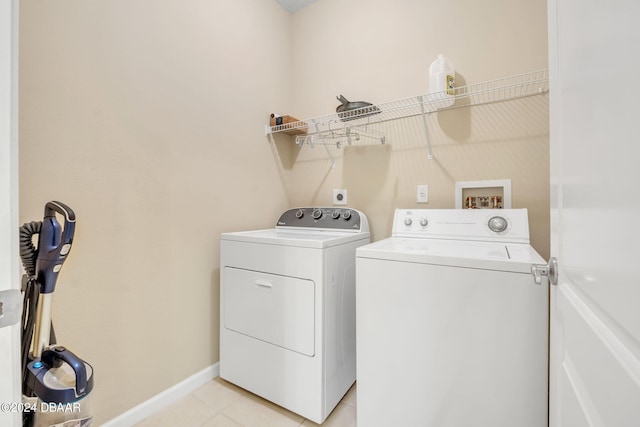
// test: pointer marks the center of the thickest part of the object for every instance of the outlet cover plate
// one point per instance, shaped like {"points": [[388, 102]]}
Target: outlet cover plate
{"points": [[340, 197], [422, 194]]}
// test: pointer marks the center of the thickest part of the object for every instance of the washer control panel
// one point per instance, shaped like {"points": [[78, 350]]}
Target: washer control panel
{"points": [[322, 218], [507, 225]]}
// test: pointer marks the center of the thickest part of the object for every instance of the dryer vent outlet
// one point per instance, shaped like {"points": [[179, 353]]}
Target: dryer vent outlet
{"points": [[340, 197]]}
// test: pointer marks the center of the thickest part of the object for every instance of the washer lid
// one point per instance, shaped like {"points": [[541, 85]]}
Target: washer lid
{"points": [[457, 253], [299, 238]]}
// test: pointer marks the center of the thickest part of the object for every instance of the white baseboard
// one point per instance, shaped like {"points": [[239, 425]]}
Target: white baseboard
{"points": [[161, 400]]}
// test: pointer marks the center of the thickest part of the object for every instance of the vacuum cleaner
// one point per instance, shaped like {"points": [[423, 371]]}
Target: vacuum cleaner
{"points": [[56, 384]]}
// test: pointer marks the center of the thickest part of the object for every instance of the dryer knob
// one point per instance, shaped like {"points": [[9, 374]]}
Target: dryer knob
{"points": [[497, 224], [346, 215], [317, 214], [408, 221], [335, 214], [423, 222], [300, 213]]}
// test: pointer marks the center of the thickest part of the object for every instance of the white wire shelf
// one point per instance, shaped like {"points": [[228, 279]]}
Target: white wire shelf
{"points": [[520, 85]]}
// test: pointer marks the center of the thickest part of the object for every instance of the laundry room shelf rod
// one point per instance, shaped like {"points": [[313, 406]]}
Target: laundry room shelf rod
{"points": [[516, 86]]}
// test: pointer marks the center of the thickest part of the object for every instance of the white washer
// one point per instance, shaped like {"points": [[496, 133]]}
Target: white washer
{"points": [[452, 329], [287, 308]]}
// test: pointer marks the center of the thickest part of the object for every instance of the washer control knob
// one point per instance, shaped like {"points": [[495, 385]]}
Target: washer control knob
{"points": [[317, 214], [423, 222], [408, 221], [300, 213], [335, 214], [346, 215], [497, 224]]}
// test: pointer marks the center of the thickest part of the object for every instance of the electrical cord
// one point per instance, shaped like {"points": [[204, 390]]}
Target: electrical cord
{"points": [[29, 304]]}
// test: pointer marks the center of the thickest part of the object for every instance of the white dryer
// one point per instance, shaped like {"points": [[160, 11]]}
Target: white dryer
{"points": [[452, 329], [287, 308]]}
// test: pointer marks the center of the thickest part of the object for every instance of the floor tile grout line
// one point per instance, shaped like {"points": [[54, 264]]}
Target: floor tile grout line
{"points": [[219, 410]]}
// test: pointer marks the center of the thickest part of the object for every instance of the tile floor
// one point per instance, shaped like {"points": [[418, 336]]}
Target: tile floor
{"points": [[221, 404]]}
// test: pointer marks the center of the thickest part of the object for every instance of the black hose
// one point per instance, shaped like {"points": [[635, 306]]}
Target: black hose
{"points": [[28, 252]]}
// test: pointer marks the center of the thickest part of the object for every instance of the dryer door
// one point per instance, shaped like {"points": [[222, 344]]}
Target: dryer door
{"points": [[271, 308]]}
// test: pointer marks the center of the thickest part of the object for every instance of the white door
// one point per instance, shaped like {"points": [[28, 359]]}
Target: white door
{"points": [[9, 265], [595, 213]]}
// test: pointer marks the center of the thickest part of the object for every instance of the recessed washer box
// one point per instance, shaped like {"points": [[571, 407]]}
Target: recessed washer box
{"points": [[490, 194]]}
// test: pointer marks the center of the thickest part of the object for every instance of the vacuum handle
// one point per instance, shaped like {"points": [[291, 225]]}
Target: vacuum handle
{"points": [[52, 207], [54, 244], [50, 356]]}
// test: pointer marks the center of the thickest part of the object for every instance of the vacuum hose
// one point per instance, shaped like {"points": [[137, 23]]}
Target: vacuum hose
{"points": [[28, 251]]}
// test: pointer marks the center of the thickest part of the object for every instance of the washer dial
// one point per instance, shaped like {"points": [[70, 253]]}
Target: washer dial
{"points": [[317, 214], [497, 224], [346, 215]]}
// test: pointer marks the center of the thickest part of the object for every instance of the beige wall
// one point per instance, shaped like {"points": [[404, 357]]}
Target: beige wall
{"points": [[147, 118], [380, 51]]}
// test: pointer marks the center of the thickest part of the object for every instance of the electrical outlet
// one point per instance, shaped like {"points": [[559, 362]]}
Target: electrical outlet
{"points": [[340, 197], [422, 195]]}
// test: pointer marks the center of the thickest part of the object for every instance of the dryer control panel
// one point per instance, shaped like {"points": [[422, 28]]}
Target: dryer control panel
{"points": [[324, 218], [505, 225]]}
